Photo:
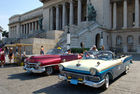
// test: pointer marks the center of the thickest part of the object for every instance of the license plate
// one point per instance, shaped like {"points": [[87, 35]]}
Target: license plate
{"points": [[74, 82]]}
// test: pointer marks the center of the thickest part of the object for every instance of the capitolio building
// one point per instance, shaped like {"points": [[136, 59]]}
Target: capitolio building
{"points": [[112, 23]]}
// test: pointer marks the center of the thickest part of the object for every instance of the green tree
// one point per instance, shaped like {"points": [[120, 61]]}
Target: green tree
{"points": [[5, 34]]}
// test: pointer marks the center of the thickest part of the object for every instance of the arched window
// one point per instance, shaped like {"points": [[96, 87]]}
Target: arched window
{"points": [[130, 40], [118, 40]]}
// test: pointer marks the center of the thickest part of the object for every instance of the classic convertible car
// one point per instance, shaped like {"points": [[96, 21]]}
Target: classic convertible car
{"points": [[48, 63], [96, 69]]}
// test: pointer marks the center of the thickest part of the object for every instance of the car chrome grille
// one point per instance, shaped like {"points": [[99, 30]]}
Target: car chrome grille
{"points": [[71, 75], [30, 65]]}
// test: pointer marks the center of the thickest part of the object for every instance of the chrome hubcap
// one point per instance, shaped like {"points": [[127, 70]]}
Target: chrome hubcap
{"points": [[127, 69]]}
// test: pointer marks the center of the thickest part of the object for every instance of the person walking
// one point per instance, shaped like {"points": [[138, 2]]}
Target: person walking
{"points": [[41, 50], [11, 55], [2, 57]]}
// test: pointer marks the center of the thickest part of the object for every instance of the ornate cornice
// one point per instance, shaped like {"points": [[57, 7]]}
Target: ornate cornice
{"points": [[43, 1]]}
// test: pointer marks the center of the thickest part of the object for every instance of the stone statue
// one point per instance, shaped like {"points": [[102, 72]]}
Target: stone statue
{"points": [[40, 23], [91, 12]]}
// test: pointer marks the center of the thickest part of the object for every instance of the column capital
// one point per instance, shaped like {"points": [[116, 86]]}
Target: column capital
{"points": [[64, 3], [70, 0], [56, 6]]}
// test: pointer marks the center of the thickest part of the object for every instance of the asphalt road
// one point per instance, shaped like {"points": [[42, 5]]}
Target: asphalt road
{"points": [[14, 80]]}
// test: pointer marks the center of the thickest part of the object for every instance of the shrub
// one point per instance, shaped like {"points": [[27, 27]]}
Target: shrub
{"points": [[78, 50]]}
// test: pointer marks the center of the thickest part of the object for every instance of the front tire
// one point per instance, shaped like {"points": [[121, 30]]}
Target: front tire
{"points": [[127, 68], [106, 84], [49, 70]]}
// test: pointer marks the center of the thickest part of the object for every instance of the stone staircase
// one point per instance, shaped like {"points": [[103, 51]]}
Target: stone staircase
{"points": [[76, 31]]}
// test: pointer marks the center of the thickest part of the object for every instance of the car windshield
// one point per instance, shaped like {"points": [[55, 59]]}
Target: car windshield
{"points": [[101, 55], [55, 52]]}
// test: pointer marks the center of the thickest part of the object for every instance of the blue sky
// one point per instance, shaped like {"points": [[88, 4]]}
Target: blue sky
{"points": [[9, 8]]}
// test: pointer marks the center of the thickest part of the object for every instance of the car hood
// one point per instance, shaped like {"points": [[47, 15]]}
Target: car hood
{"points": [[43, 58], [86, 65]]}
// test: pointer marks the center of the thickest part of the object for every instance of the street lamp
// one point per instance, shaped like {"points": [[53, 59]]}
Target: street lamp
{"points": [[101, 42], [68, 39]]}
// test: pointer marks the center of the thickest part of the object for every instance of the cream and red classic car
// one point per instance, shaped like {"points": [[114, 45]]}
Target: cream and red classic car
{"points": [[96, 69]]}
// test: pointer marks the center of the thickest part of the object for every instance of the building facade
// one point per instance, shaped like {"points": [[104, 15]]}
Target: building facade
{"points": [[117, 23]]}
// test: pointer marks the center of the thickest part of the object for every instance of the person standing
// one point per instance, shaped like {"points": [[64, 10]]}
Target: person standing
{"points": [[94, 48], [103, 48], [41, 50], [2, 57], [11, 55]]}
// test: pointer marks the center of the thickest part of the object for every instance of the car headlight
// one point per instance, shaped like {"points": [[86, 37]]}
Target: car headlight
{"points": [[93, 71], [61, 67], [38, 63]]}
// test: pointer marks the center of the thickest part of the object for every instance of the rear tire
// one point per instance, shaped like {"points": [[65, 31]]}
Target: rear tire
{"points": [[106, 84], [49, 70]]}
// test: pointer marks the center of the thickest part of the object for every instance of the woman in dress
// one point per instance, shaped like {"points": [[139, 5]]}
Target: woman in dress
{"points": [[2, 57]]}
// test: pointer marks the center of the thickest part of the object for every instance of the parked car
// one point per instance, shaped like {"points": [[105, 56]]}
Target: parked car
{"points": [[48, 63], [96, 69]]}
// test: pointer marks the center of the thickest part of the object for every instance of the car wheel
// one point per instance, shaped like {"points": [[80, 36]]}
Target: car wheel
{"points": [[106, 84], [127, 68], [49, 70]]}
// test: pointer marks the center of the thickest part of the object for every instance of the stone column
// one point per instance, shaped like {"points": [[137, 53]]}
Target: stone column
{"points": [[32, 26], [57, 17], [35, 25], [114, 15], [137, 13], [27, 28], [87, 10], [125, 14], [71, 12], [24, 29], [51, 18], [64, 15], [79, 11], [22, 26]]}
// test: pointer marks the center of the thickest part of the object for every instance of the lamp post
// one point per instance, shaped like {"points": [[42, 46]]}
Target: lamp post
{"points": [[101, 42], [68, 39]]}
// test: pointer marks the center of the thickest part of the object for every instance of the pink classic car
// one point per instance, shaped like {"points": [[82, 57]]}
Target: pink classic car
{"points": [[48, 63]]}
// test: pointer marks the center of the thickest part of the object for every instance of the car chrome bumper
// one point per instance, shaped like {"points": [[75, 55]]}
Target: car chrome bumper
{"points": [[85, 82], [39, 70]]}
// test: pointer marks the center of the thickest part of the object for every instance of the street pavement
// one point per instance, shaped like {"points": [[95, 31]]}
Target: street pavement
{"points": [[14, 80]]}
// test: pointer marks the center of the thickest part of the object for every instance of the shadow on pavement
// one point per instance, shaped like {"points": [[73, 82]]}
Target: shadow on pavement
{"points": [[25, 76], [65, 88], [10, 65]]}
